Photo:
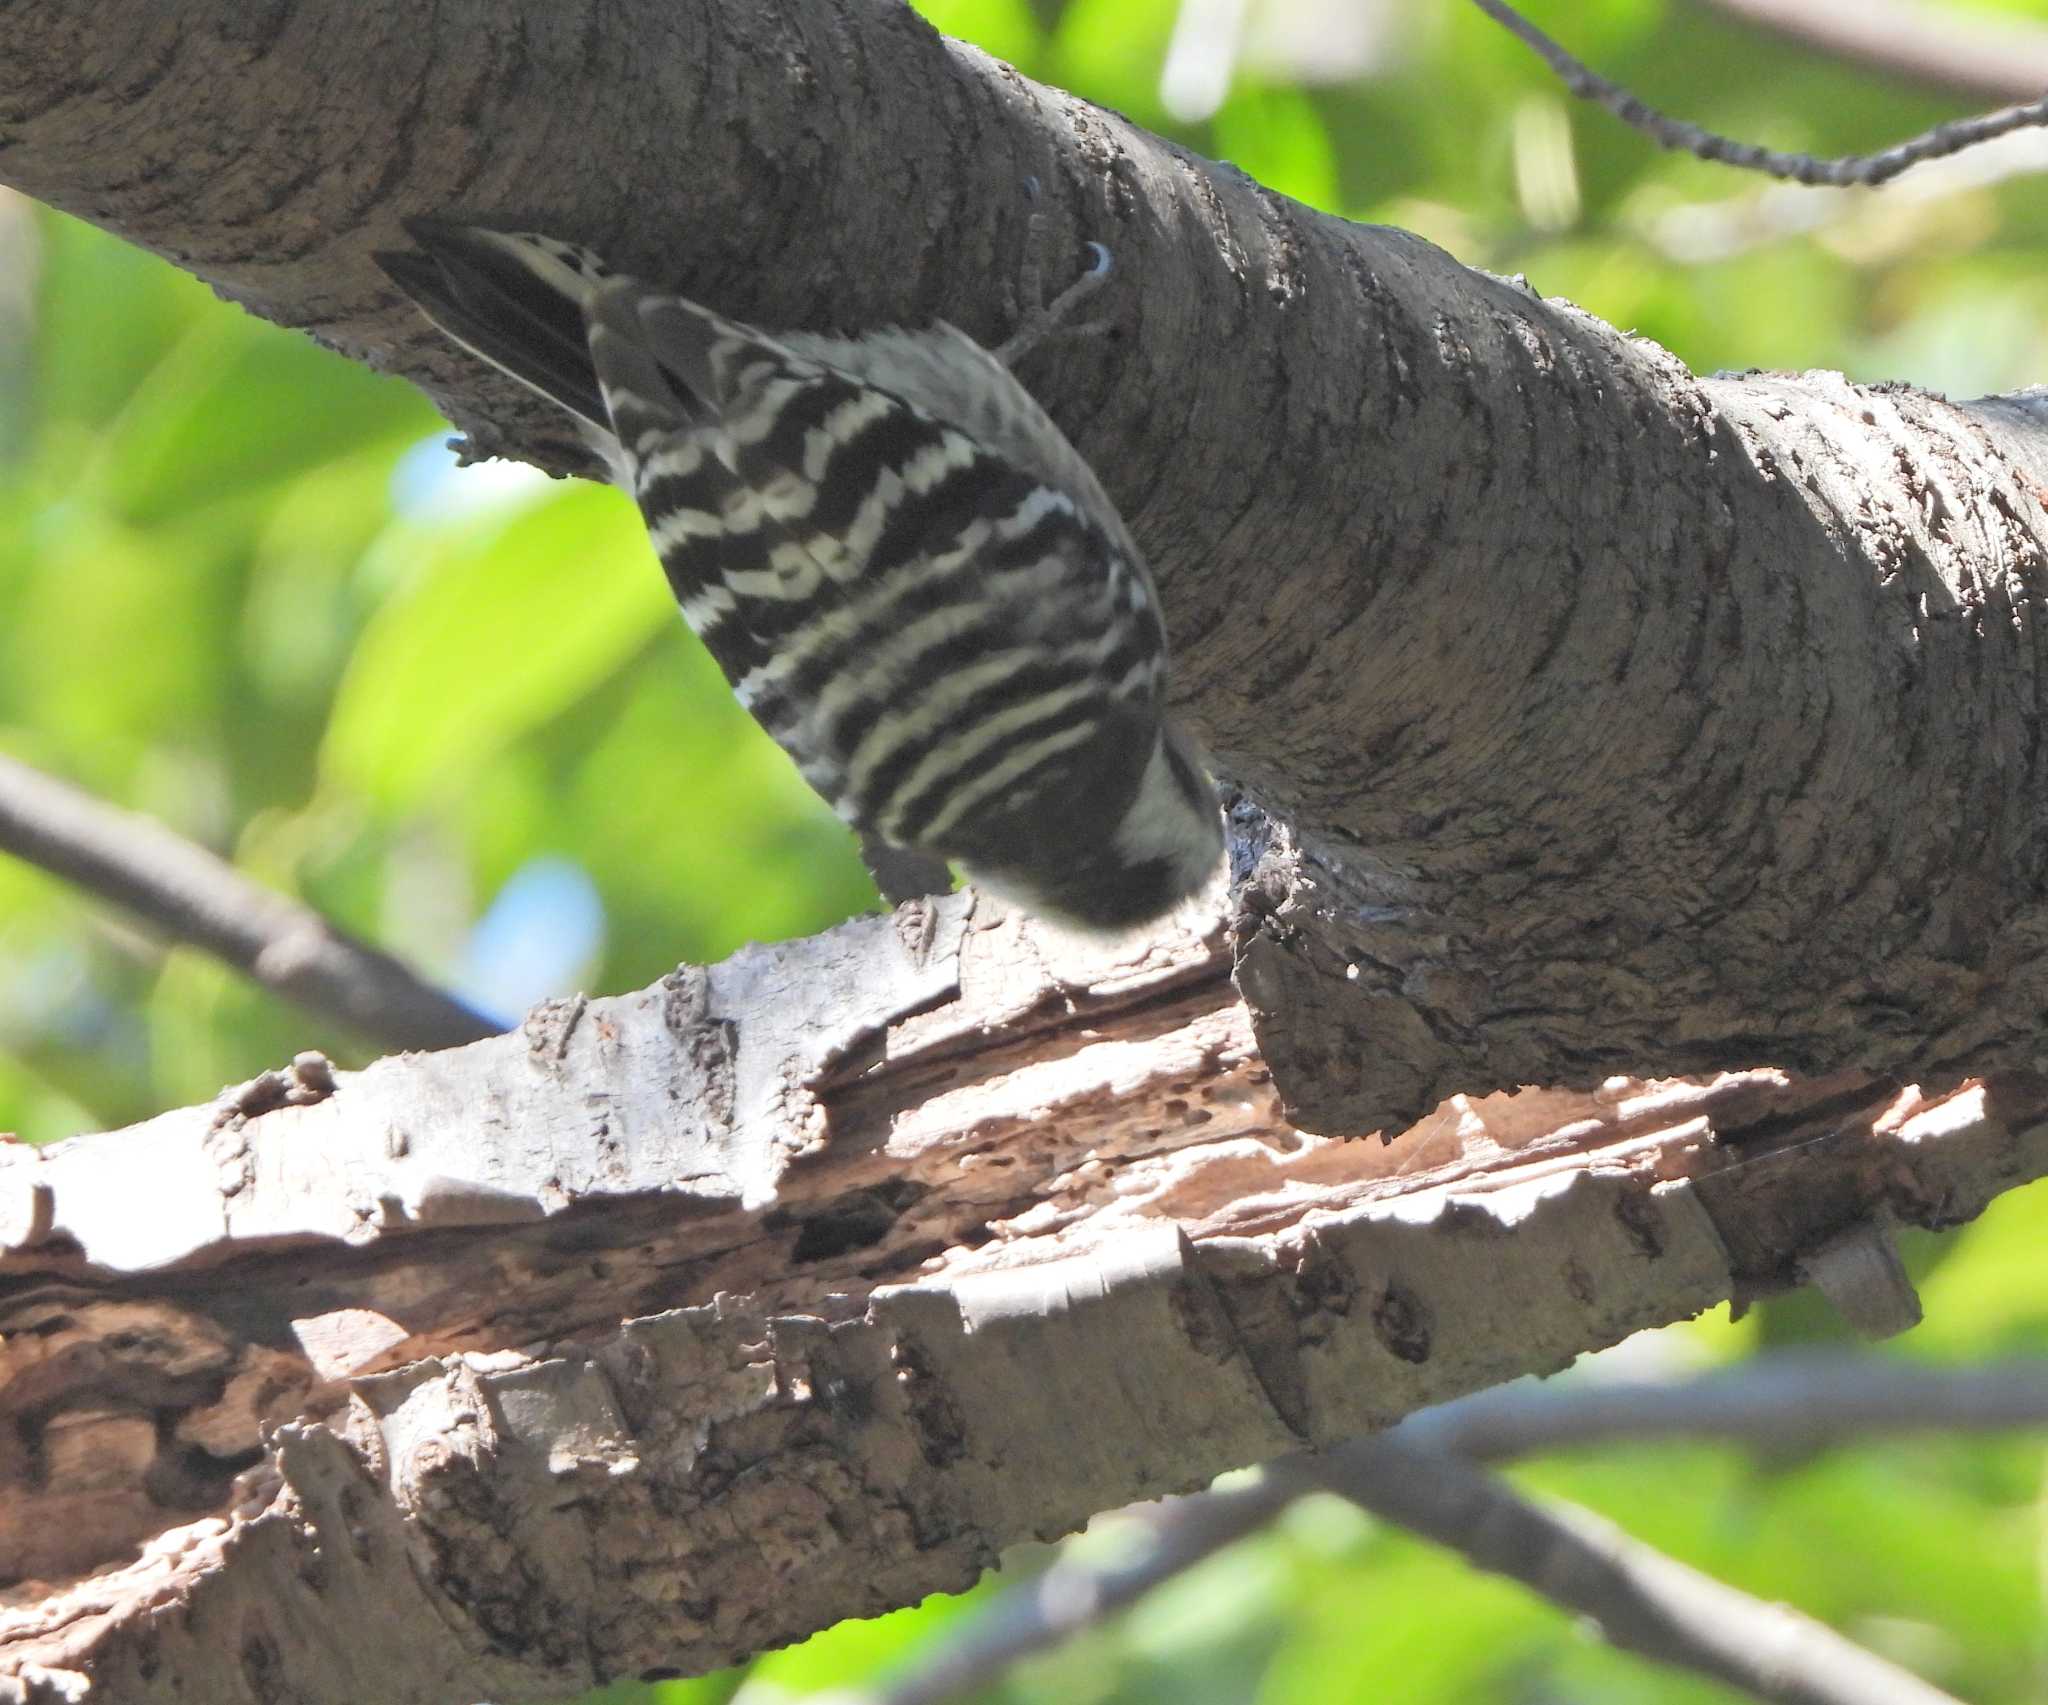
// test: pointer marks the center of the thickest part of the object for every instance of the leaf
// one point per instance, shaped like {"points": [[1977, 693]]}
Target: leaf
{"points": [[852, 1649], [105, 313], [1005, 28], [1111, 50], [236, 404], [500, 630], [1278, 136]]}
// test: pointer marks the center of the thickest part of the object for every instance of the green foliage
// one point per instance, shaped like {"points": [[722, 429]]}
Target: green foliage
{"points": [[227, 603], [428, 695]]}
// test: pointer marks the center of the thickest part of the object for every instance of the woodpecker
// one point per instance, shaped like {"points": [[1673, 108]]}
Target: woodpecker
{"points": [[910, 577]]}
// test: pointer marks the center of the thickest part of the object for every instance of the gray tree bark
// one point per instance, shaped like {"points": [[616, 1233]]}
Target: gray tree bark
{"points": [[929, 1235], [1621, 719], [1604, 724]]}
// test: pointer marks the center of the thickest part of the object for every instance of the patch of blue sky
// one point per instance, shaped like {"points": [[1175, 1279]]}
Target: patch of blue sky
{"points": [[541, 936], [428, 484]]}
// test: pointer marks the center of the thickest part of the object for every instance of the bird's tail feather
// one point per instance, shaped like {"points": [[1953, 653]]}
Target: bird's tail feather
{"points": [[516, 301], [644, 393]]}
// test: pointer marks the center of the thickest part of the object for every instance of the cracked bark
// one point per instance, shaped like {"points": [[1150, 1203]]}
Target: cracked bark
{"points": [[929, 1235], [1620, 720], [1601, 720]]}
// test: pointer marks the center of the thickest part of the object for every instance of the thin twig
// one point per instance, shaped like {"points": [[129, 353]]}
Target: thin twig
{"points": [[186, 893], [1693, 233], [1787, 1402], [1074, 1595], [1643, 1601], [1864, 170], [1772, 1402]]}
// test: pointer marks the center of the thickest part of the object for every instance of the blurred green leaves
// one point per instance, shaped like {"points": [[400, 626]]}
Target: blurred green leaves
{"points": [[244, 590], [499, 627]]}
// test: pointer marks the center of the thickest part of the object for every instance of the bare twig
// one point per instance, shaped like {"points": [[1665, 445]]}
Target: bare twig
{"points": [[1643, 1601], [1077, 1593], [1863, 170], [1792, 1401], [1697, 232], [189, 895], [1976, 55], [1777, 1402]]}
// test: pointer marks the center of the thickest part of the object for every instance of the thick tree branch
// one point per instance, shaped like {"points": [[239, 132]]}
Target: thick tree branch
{"points": [[1076, 1593], [183, 891], [933, 1233], [1775, 1402], [1619, 720]]}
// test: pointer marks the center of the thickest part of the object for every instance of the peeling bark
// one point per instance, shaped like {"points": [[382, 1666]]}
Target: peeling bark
{"points": [[931, 1234], [1620, 720], [1605, 724]]}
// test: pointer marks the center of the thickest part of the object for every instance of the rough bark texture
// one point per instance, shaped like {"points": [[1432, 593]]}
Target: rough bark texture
{"points": [[932, 1234], [1624, 720], [1607, 720]]}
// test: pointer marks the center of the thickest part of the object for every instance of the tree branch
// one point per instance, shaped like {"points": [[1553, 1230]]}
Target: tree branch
{"points": [[1076, 1593], [1774, 1402], [1572, 775], [187, 894], [1977, 55], [1787, 1401], [1643, 1601], [1863, 170], [1589, 691], [930, 1234]]}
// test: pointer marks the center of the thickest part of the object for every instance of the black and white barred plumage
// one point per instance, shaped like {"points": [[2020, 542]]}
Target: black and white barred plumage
{"points": [[911, 578]]}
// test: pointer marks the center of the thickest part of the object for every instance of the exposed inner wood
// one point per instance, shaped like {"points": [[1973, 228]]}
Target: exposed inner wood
{"points": [[1028, 1115]]}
